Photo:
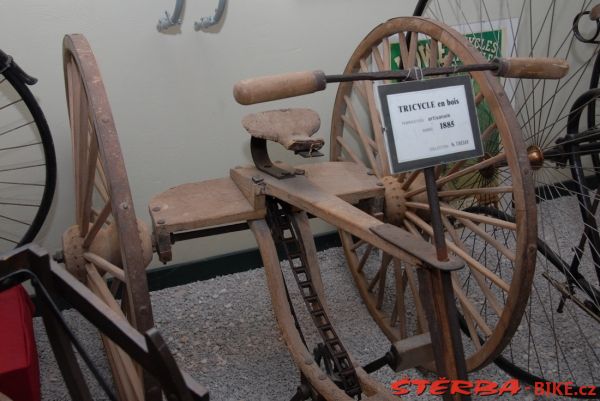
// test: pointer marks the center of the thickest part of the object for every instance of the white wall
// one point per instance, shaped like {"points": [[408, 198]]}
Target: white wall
{"points": [[171, 93]]}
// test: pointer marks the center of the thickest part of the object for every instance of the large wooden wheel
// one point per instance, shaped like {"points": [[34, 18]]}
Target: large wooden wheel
{"points": [[107, 240], [488, 206]]}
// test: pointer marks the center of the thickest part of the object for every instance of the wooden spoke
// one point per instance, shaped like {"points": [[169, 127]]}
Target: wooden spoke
{"points": [[377, 129], [490, 297], [385, 262], [404, 54], [411, 276], [488, 238], [129, 378], [381, 66], [100, 183], [88, 186], [471, 310], [448, 59], [364, 258], [472, 262], [387, 62], [105, 265], [433, 53], [368, 142], [399, 311], [349, 150], [374, 280], [472, 330], [463, 193], [412, 50], [468, 215], [500, 157], [99, 221], [358, 244], [485, 135]]}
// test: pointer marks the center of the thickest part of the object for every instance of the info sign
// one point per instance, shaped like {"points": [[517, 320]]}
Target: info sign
{"points": [[430, 122]]}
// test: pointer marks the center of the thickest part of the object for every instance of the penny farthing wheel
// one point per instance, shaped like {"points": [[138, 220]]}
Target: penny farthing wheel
{"points": [[558, 339], [499, 252], [107, 240], [27, 159]]}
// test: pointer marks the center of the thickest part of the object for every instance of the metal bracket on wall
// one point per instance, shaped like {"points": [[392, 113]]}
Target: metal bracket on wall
{"points": [[171, 20], [207, 22]]}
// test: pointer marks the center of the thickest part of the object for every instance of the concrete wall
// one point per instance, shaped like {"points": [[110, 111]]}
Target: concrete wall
{"points": [[171, 93]]}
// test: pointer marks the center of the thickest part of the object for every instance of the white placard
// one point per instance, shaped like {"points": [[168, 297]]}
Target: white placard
{"points": [[430, 122]]}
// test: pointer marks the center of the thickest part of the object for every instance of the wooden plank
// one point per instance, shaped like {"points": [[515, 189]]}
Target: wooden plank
{"points": [[201, 204], [347, 180]]}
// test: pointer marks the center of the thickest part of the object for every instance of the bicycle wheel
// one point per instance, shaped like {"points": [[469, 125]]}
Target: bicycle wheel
{"points": [[558, 339], [107, 236], [494, 287], [27, 159]]}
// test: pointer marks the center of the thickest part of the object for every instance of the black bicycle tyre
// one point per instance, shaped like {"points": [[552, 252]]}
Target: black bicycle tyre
{"points": [[15, 77]]}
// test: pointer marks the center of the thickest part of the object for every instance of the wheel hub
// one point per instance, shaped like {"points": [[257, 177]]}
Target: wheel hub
{"points": [[105, 244], [536, 157]]}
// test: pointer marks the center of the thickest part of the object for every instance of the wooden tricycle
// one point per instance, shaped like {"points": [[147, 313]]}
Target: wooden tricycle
{"points": [[441, 241]]}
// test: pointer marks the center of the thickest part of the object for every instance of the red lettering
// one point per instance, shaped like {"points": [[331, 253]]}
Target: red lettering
{"points": [[588, 391], [539, 388], [485, 387], [461, 387], [398, 386], [422, 385], [439, 387], [511, 387]]}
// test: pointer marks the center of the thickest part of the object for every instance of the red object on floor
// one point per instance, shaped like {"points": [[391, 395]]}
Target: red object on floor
{"points": [[19, 370]]}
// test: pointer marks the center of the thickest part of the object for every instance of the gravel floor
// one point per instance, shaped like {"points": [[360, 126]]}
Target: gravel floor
{"points": [[222, 331]]}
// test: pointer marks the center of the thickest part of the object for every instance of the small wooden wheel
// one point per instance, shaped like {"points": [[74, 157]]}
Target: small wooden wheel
{"points": [[488, 205], [107, 239]]}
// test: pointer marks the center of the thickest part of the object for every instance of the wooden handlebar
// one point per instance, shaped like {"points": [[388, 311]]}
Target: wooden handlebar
{"points": [[274, 87], [595, 13], [534, 68]]}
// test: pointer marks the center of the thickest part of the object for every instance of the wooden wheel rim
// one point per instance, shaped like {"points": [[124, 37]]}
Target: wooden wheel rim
{"points": [[100, 175], [516, 159], [77, 53]]}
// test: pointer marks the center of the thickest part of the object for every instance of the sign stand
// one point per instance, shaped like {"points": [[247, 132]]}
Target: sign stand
{"points": [[429, 123], [437, 296]]}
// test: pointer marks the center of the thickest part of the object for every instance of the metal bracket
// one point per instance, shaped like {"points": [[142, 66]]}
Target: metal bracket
{"points": [[262, 161], [171, 20], [207, 22]]}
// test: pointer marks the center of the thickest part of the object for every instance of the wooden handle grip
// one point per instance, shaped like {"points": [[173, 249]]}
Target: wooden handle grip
{"points": [[265, 89], [535, 68], [595, 13]]}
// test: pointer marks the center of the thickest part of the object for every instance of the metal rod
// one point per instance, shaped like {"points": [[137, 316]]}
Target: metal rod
{"points": [[413, 73], [436, 217], [438, 298]]}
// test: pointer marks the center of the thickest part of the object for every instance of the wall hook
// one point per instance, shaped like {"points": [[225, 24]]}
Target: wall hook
{"points": [[171, 20], [206, 22]]}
